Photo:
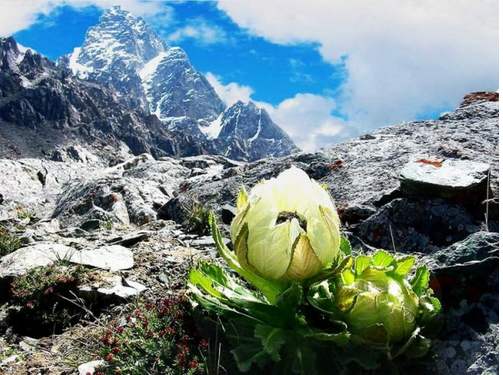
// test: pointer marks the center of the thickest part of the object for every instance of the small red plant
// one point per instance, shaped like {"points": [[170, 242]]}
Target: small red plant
{"points": [[155, 338]]}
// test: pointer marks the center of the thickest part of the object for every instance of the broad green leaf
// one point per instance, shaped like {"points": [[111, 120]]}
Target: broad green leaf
{"points": [[382, 258], [437, 306], [362, 262], [345, 246], [346, 298], [321, 297], [339, 339], [421, 280], [430, 307], [347, 277], [272, 340], [246, 355], [404, 265], [291, 298], [419, 348], [365, 356]]}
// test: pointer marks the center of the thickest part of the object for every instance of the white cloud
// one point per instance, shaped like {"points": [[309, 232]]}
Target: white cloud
{"points": [[201, 31], [307, 118], [405, 57], [230, 93], [17, 15]]}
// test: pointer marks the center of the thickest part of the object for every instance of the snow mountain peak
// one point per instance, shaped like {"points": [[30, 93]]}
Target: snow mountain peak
{"points": [[124, 53]]}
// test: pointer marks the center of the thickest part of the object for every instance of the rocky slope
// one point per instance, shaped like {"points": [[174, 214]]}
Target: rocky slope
{"points": [[45, 111], [123, 52], [419, 187]]}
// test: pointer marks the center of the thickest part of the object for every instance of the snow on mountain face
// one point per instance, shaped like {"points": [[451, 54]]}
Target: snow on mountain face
{"points": [[11, 54], [28, 66], [248, 133], [115, 50], [119, 41], [175, 89], [121, 51]]}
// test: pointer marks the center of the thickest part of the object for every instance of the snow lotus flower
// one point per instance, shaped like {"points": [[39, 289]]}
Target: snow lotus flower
{"points": [[286, 228], [376, 297]]}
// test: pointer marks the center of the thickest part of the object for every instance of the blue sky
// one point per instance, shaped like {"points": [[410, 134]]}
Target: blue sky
{"points": [[275, 71], [324, 70]]}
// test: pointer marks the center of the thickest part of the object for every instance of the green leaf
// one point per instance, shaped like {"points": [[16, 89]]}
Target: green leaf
{"points": [[347, 277], [272, 340], [242, 199], [345, 246], [215, 290], [430, 307], [404, 265], [421, 280], [271, 289], [362, 262], [320, 296], [382, 258], [246, 355], [418, 348], [365, 356], [340, 339], [437, 306], [291, 298]]}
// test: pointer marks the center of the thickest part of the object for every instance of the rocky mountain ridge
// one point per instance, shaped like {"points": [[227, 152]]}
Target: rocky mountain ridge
{"points": [[123, 93], [123, 52]]}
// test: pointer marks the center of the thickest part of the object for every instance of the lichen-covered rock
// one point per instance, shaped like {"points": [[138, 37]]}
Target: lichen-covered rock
{"points": [[417, 225], [452, 179], [475, 247], [19, 262], [26, 258]]}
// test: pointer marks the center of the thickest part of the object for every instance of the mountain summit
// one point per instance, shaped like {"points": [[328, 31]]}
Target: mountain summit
{"points": [[123, 52]]}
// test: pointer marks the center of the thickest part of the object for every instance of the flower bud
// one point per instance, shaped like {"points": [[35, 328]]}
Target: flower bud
{"points": [[286, 228]]}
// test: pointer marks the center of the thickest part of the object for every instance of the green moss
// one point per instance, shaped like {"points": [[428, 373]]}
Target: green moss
{"points": [[8, 242]]}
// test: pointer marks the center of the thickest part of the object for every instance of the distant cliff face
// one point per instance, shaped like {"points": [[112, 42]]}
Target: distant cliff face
{"points": [[122, 52], [44, 108]]}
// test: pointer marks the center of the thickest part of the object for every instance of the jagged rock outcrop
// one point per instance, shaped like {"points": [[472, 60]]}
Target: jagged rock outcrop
{"points": [[175, 89], [248, 133], [113, 52], [123, 52], [45, 111]]}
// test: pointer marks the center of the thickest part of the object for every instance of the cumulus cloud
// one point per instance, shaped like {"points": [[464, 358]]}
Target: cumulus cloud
{"points": [[201, 31], [307, 118], [404, 57], [17, 15], [230, 93]]}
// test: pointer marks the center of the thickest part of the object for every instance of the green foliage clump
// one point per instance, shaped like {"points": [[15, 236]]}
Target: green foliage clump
{"points": [[24, 214], [156, 338], [197, 221], [45, 297], [8, 242], [107, 224]]}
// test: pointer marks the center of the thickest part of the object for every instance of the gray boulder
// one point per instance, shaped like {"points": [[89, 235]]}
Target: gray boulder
{"points": [[451, 178]]}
